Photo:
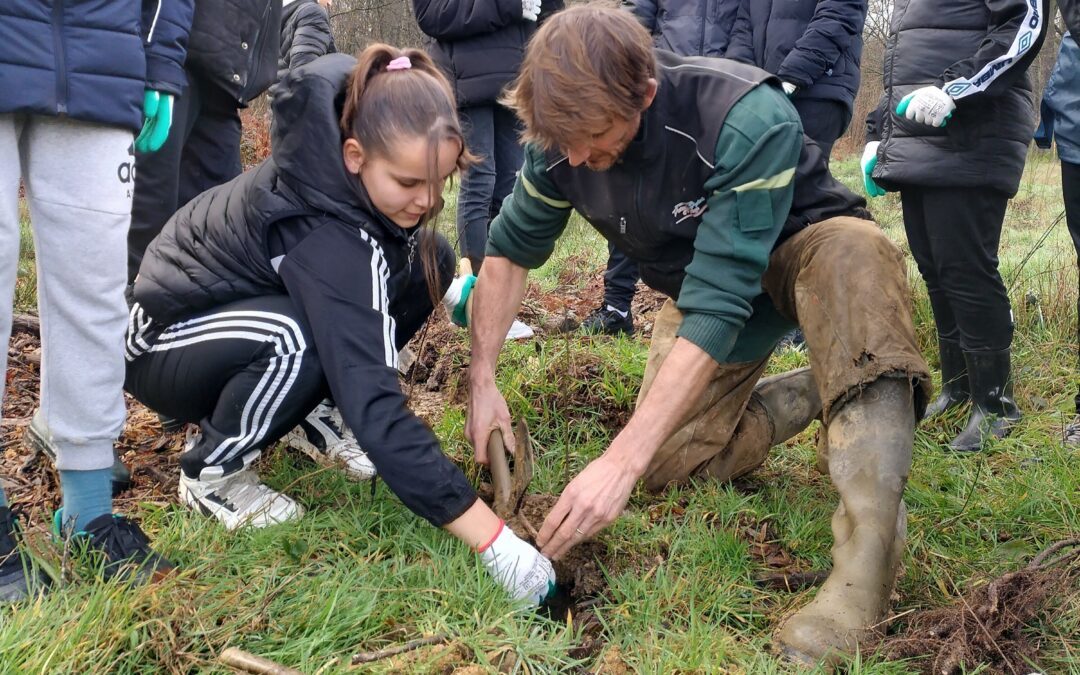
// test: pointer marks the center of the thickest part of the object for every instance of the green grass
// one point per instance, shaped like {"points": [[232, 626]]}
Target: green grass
{"points": [[360, 572]]}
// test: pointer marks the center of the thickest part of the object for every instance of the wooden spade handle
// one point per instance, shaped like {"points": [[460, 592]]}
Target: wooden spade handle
{"points": [[501, 481]]}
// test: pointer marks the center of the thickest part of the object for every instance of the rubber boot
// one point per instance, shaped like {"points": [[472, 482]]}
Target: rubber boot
{"points": [[954, 380], [780, 407], [869, 456], [994, 412]]}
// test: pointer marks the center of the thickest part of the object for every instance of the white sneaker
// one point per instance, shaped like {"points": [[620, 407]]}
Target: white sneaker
{"points": [[519, 331], [238, 499], [324, 437]]}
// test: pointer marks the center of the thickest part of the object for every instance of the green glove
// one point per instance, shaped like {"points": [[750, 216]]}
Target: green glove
{"points": [[869, 161], [157, 115]]}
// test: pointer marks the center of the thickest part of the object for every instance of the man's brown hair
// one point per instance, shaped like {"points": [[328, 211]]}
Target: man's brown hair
{"points": [[584, 68]]}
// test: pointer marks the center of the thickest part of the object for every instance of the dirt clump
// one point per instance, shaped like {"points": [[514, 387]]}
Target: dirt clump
{"points": [[986, 625]]}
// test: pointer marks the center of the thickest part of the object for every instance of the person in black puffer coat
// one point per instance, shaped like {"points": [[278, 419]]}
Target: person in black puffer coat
{"points": [[232, 58], [951, 134], [305, 34], [479, 47], [814, 47]]}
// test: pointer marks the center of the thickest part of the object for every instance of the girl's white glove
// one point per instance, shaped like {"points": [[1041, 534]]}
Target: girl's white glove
{"points": [[530, 9], [522, 570]]}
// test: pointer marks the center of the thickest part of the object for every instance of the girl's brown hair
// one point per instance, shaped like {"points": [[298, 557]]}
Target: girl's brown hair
{"points": [[382, 107]]}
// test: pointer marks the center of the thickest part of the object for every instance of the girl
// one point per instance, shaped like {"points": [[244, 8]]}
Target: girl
{"points": [[305, 276]]}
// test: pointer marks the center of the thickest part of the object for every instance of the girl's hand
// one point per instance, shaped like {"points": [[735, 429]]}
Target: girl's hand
{"points": [[522, 570]]}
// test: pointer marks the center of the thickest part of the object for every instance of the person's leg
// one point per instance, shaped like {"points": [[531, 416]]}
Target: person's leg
{"points": [[15, 583], [246, 372], [613, 317], [211, 154], [509, 155], [80, 221], [955, 389], [477, 184], [823, 121], [965, 229], [737, 420], [157, 180], [1070, 192], [846, 283]]}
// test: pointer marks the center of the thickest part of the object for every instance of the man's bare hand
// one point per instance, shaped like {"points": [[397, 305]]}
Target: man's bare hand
{"points": [[487, 414], [591, 502]]}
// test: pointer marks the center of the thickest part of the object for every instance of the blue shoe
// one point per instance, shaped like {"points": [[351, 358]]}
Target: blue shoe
{"points": [[121, 543]]}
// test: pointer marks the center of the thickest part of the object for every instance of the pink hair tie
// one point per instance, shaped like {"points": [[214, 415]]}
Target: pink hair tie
{"points": [[400, 63]]}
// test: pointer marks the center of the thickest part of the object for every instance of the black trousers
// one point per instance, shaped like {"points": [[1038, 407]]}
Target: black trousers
{"points": [[1070, 189], [202, 151], [954, 235], [247, 372], [822, 120]]}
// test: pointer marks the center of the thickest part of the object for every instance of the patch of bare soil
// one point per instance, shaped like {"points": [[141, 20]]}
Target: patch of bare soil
{"points": [[985, 626]]}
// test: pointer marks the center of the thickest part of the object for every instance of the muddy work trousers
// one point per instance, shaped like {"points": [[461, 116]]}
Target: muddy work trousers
{"points": [[846, 285]]}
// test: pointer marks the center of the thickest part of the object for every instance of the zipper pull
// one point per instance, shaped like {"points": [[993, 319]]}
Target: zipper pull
{"points": [[412, 250], [622, 225]]}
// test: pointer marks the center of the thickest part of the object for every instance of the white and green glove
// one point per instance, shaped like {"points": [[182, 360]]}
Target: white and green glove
{"points": [[928, 105], [457, 297], [869, 161], [530, 9], [157, 118], [522, 570]]}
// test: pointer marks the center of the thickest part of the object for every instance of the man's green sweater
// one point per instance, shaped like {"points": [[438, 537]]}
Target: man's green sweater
{"points": [[748, 192]]}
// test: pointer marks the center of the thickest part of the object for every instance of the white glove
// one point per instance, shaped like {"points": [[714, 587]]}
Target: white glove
{"points": [[530, 9], [522, 570], [457, 297], [789, 88], [928, 105]]}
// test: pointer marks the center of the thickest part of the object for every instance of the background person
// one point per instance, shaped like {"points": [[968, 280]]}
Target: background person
{"points": [[951, 134], [78, 84]]}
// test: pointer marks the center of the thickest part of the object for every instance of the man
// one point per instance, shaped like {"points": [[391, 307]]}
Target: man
{"points": [[697, 169], [687, 28]]}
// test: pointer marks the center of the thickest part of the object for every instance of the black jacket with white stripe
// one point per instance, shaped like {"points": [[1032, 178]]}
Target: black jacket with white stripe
{"points": [[300, 224], [978, 51]]}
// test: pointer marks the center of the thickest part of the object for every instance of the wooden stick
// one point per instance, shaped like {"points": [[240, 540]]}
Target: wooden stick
{"points": [[250, 663], [25, 323], [380, 654]]}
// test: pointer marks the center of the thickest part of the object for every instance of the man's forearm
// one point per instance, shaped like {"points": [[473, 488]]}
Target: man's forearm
{"points": [[495, 301], [678, 386]]}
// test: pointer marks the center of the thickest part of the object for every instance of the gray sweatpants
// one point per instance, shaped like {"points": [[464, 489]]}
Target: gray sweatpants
{"points": [[78, 183]]}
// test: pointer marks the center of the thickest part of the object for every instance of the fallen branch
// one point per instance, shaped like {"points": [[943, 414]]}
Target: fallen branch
{"points": [[25, 323], [791, 581], [250, 663], [380, 654]]}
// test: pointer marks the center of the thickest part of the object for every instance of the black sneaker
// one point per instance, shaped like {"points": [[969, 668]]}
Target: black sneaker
{"points": [[126, 549], [795, 340], [608, 321], [37, 438], [1072, 433], [19, 579]]}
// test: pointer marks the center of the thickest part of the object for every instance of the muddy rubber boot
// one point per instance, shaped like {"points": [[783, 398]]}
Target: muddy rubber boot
{"points": [[780, 407], [993, 410], [955, 389], [869, 455]]}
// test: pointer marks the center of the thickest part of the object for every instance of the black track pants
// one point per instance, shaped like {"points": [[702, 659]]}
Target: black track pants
{"points": [[246, 372], [954, 235]]}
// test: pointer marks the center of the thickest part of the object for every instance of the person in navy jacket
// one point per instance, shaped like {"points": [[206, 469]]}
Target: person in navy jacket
{"points": [[79, 80]]}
